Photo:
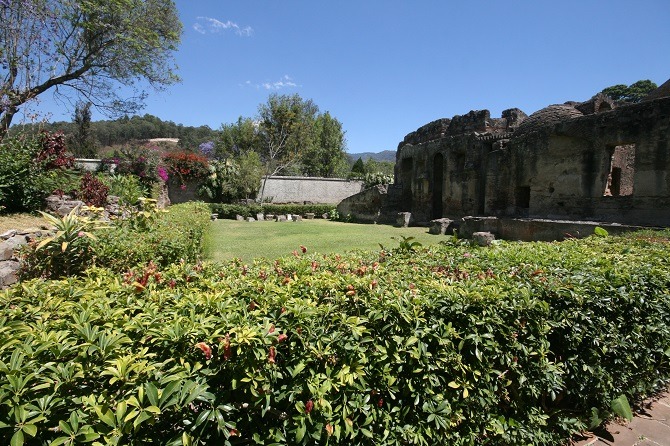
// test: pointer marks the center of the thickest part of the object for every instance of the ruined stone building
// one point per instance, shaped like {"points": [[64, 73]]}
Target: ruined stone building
{"points": [[594, 160]]}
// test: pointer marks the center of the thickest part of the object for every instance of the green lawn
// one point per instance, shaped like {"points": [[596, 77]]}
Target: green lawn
{"points": [[228, 239]]}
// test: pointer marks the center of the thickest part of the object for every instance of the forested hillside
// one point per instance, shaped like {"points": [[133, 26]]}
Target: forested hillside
{"points": [[123, 130]]}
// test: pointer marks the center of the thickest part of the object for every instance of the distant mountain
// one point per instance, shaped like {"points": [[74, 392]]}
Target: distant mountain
{"points": [[386, 155]]}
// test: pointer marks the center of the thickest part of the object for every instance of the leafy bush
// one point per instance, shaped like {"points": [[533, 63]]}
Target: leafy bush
{"points": [[186, 166], [148, 235], [93, 191], [376, 178], [31, 167], [66, 253], [250, 210], [141, 162], [127, 187], [154, 235], [459, 345]]}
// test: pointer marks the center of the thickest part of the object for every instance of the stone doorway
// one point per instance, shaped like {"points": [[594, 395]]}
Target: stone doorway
{"points": [[438, 185], [621, 171]]}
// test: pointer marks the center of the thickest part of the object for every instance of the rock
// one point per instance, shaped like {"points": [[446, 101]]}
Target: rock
{"points": [[239, 218], [403, 219], [281, 218], [8, 246], [9, 234], [270, 217], [214, 216], [297, 218], [440, 226], [309, 216], [483, 238], [325, 216], [8, 273], [250, 219], [260, 217]]}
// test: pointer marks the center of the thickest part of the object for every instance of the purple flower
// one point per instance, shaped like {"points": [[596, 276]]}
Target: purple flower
{"points": [[207, 148]]}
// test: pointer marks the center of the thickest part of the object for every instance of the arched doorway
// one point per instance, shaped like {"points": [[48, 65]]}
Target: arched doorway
{"points": [[438, 184]]}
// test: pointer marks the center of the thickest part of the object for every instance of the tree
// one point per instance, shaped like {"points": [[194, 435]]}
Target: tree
{"points": [[238, 138], [632, 93], [82, 143], [327, 156], [285, 129], [85, 47], [358, 169]]}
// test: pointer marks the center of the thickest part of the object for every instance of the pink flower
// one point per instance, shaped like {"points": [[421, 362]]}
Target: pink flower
{"points": [[281, 338], [309, 405], [182, 187], [271, 355]]}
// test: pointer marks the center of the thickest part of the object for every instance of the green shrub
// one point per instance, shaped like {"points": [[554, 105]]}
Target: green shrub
{"points": [[154, 235], [66, 253], [31, 167], [459, 345], [147, 235], [250, 210], [127, 187]]}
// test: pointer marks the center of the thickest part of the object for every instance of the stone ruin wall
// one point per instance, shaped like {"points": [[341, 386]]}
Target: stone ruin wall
{"points": [[574, 161]]}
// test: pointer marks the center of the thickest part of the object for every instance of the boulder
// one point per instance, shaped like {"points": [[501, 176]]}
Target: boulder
{"points": [[440, 226], [403, 219], [483, 238]]}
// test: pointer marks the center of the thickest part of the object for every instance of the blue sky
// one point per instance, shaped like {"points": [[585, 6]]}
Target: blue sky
{"points": [[386, 67]]}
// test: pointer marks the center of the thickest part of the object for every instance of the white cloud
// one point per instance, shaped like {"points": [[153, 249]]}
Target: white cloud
{"points": [[206, 25], [284, 82]]}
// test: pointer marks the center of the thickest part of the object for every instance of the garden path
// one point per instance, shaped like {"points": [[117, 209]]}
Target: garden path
{"points": [[650, 427]]}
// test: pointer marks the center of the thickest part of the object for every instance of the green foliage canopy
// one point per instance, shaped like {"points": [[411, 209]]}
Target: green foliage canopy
{"points": [[89, 46], [631, 93]]}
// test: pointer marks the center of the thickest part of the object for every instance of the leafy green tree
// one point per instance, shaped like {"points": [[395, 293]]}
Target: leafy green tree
{"points": [[285, 129], [82, 143], [632, 93], [380, 167], [233, 178], [85, 47], [327, 156], [237, 138], [358, 169]]}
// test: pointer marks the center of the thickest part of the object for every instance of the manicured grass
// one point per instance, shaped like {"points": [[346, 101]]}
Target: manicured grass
{"points": [[228, 239]]}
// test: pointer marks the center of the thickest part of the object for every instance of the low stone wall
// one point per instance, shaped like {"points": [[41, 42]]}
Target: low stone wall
{"points": [[309, 189], [10, 243], [537, 229]]}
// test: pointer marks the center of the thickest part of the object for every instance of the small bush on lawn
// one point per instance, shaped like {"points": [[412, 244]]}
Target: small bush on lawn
{"points": [[148, 235], [230, 211], [459, 345]]}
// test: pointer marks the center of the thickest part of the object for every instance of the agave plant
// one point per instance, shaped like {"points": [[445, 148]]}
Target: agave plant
{"points": [[68, 251]]}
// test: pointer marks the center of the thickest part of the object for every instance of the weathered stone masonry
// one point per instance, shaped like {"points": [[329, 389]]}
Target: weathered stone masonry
{"points": [[575, 161]]}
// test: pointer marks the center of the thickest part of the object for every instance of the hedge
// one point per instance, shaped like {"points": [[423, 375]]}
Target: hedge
{"points": [[230, 211], [161, 237], [460, 345]]}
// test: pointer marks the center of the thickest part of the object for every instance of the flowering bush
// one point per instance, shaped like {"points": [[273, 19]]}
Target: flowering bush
{"points": [[31, 168], [207, 149], [142, 162], [186, 166], [516, 344]]}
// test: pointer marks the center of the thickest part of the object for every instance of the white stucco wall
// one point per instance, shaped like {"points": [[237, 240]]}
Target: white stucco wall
{"points": [[309, 189]]}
